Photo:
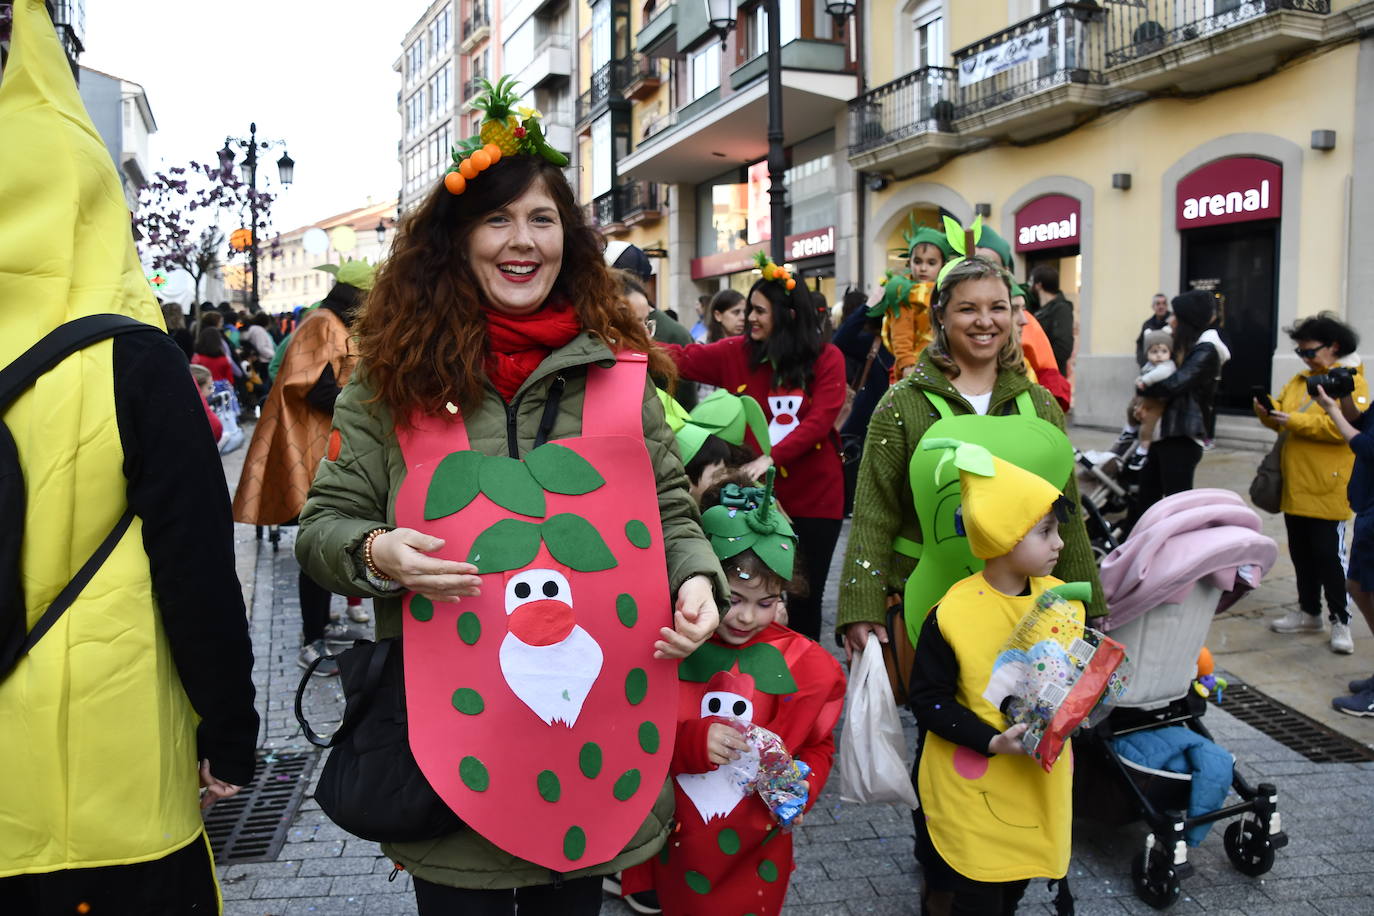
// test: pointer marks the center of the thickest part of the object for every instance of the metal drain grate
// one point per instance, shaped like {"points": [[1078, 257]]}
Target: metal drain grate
{"points": [[1291, 728], [252, 826]]}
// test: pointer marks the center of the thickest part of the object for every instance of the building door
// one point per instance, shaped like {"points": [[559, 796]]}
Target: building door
{"points": [[1238, 262]]}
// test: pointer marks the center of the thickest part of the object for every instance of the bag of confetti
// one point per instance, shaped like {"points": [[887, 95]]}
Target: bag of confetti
{"points": [[1054, 674]]}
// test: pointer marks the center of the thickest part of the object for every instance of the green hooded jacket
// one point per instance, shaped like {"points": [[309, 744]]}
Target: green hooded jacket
{"points": [[355, 494]]}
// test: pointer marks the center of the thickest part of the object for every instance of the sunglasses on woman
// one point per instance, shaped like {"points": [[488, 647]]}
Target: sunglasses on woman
{"points": [[1309, 352]]}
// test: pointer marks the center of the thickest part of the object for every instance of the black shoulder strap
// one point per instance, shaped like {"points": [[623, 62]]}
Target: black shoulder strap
{"points": [[18, 377], [61, 342]]}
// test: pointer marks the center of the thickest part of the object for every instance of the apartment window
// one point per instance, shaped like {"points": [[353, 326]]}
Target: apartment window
{"points": [[417, 57], [518, 50], [927, 47], [602, 152], [703, 70], [601, 35]]}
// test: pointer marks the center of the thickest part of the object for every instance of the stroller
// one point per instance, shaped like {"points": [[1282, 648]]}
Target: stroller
{"points": [[1191, 555], [1107, 491]]}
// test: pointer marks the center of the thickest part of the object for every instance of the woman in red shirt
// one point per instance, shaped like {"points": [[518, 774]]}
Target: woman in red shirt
{"points": [[210, 354], [783, 362]]}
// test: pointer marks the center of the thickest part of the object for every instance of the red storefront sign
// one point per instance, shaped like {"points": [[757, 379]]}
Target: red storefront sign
{"points": [[813, 244], [1236, 190], [1048, 222]]}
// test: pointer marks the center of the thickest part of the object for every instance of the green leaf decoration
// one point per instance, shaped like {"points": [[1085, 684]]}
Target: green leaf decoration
{"points": [[768, 870], [708, 659], [574, 843], [728, 841], [421, 608], [648, 737], [468, 701], [626, 786], [550, 789], [697, 882], [576, 544], [765, 664], [453, 485], [469, 628], [508, 544], [725, 522], [589, 760], [559, 469], [638, 534], [508, 483], [627, 610], [777, 552], [474, 774], [636, 686], [955, 233]]}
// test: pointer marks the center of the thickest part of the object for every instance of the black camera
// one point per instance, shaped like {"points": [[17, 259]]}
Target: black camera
{"points": [[1337, 383]]}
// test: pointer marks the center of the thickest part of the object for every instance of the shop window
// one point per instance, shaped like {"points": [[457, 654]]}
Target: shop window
{"points": [[703, 70]]}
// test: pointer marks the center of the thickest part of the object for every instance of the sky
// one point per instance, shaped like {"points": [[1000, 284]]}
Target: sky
{"points": [[315, 73]]}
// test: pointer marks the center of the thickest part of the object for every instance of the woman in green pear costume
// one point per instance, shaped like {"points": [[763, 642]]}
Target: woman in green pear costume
{"points": [[971, 380]]}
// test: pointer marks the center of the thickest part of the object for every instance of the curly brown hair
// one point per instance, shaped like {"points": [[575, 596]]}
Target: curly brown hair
{"points": [[421, 333]]}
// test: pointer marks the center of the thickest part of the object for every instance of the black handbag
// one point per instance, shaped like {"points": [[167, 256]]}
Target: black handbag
{"points": [[371, 785]]}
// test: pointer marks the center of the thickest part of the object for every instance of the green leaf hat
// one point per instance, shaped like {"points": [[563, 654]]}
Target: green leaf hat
{"points": [[725, 415], [917, 234], [748, 519]]}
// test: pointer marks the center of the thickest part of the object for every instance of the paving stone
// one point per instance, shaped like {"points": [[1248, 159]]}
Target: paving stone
{"points": [[279, 869], [312, 850], [343, 865], [368, 884], [400, 904], [257, 907], [1346, 906], [292, 887], [834, 890]]}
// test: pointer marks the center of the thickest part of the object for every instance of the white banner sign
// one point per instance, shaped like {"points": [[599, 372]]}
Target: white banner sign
{"points": [[992, 61]]}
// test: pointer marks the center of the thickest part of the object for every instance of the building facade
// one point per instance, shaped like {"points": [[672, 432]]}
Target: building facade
{"points": [[1142, 146], [290, 278], [121, 113], [672, 122], [68, 18]]}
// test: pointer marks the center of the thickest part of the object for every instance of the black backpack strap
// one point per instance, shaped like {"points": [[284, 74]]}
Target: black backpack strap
{"points": [[60, 343]]}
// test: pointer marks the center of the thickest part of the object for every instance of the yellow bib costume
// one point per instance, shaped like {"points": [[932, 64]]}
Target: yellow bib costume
{"points": [[97, 763], [1004, 818]]}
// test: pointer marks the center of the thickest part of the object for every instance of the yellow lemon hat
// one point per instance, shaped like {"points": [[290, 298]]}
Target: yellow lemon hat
{"points": [[1001, 502]]}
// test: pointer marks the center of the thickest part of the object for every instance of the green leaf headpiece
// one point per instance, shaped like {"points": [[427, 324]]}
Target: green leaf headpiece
{"points": [[917, 234], [725, 415], [748, 519], [899, 290]]}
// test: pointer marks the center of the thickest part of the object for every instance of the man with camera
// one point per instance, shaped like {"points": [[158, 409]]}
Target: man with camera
{"points": [[1316, 465]]}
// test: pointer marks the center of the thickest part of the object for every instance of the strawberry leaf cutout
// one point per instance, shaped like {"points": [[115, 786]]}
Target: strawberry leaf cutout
{"points": [[575, 543], [508, 544], [761, 661], [507, 482], [453, 486], [559, 469]]}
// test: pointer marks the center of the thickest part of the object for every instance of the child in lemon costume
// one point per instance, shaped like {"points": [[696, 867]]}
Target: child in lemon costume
{"points": [[148, 671], [993, 819]]}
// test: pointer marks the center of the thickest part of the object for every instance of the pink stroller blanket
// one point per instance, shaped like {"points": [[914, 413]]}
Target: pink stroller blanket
{"points": [[1207, 534]]}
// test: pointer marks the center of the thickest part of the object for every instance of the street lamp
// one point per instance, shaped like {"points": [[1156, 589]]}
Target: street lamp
{"points": [[721, 15], [248, 169], [381, 232]]}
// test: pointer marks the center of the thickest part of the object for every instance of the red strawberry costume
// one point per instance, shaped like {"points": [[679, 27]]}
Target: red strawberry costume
{"points": [[727, 857]]}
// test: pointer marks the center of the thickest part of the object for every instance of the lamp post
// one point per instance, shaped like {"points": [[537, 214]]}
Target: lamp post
{"points": [[248, 169], [381, 232]]}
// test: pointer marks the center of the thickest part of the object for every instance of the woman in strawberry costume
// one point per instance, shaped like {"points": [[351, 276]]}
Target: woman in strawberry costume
{"points": [[731, 854], [501, 478]]}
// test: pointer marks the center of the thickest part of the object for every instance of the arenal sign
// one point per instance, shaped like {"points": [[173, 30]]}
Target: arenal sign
{"points": [[1235, 190], [1050, 221], [813, 244]]}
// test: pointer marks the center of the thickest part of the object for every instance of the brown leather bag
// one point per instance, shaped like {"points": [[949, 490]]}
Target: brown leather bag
{"points": [[899, 655]]}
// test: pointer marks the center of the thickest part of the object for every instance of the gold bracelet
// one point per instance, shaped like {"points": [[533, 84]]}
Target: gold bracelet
{"points": [[368, 562]]}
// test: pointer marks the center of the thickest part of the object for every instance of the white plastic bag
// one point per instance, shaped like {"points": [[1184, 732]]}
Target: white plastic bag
{"points": [[873, 765]]}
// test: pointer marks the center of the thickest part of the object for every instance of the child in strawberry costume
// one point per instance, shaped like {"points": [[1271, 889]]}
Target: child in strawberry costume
{"points": [[728, 855]]}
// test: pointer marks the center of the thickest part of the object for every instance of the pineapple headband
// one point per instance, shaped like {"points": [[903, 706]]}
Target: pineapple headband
{"points": [[501, 134]]}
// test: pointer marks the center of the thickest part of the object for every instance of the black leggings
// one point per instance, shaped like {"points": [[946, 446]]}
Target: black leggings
{"points": [[948, 892], [1317, 546], [1168, 470], [816, 538], [578, 897], [315, 600], [178, 884]]}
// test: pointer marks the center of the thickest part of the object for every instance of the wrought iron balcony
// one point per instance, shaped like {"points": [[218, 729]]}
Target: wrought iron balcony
{"points": [[628, 204], [920, 102], [1063, 46], [601, 211], [472, 87], [607, 85], [1148, 26], [479, 19]]}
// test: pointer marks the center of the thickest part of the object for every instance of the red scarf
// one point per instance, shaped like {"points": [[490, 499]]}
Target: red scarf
{"points": [[517, 344]]}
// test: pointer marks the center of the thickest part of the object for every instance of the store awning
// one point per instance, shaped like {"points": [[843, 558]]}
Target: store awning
{"points": [[736, 130]]}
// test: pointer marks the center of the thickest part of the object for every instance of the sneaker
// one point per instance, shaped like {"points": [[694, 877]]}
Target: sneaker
{"points": [[358, 613], [1297, 622], [1362, 704], [314, 650], [344, 633], [1340, 639], [1361, 686]]}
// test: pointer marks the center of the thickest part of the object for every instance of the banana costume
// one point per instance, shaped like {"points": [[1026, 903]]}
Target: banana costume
{"points": [[99, 758]]}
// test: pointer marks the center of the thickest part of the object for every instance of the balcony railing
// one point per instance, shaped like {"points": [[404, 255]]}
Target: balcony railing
{"points": [[920, 102], [1063, 45], [478, 19], [601, 211], [607, 84], [1147, 26], [472, 87], [637, 200]]}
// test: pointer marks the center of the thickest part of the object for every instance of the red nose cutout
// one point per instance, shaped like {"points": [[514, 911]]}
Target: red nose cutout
{"points": [[784, 418], [541, 623]]}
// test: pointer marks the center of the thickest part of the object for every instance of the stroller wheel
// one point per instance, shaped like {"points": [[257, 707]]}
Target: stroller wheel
{"points": [[1154, 878], [1248, 847]]}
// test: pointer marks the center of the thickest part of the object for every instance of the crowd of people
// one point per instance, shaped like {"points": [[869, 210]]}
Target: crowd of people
{"points": [[498, 438]]}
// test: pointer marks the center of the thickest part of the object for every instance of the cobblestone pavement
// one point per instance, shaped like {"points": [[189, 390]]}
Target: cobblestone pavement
{"points": [[851, 859]]}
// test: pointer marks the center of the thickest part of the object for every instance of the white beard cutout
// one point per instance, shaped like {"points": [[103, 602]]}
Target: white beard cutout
{"points": [[553, 681], [717, 793]]}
